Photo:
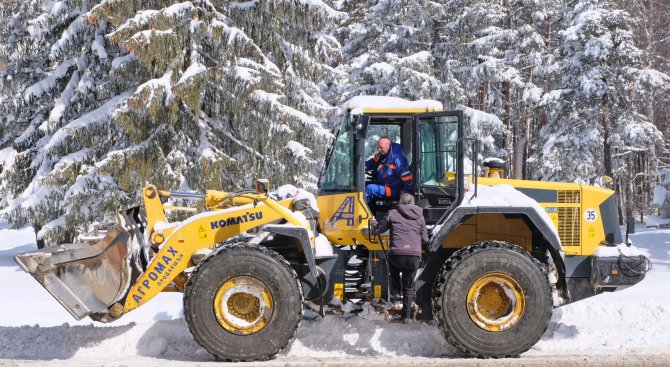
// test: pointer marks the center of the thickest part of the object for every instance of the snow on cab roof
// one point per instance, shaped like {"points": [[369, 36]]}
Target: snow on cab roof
{"points": [[362, 104]]}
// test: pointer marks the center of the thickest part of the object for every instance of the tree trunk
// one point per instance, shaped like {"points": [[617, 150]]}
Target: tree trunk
{"points": [[526, 130], [507, 136], [607, 133], [526, 139], [40, 242], [519, 149], [621, 198]]}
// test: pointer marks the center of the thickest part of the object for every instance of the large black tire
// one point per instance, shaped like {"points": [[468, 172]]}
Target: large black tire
{"points": [[234, 261], [461, 272]]}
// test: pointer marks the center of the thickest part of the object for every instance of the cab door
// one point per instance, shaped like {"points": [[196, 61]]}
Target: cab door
{"points": [[343, 213], [437, 163]]}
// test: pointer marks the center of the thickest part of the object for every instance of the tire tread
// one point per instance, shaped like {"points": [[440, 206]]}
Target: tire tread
{"points": [[450, 265], [236, 246]]}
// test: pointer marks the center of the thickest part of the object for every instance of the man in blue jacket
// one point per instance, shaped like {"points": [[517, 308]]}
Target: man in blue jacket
{"points": [[390, 171]]}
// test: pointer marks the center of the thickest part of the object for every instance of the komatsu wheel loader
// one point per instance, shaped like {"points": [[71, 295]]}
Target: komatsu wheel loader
{"points": [[247, 265]]}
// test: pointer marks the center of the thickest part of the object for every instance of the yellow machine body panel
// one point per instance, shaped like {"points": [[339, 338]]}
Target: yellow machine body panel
{"points": [[200, 231], [344, 219], [485, 227], [119, 282], [575, 210]]}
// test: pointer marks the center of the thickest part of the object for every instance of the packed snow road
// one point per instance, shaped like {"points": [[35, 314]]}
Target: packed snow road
{"points": [[627, 328]]}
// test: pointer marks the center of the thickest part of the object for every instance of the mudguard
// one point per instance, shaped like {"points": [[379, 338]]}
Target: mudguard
{"points": [[462, 213]]}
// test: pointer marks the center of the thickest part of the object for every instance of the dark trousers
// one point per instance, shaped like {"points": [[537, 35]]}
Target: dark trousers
{"points": [[407, 266]]}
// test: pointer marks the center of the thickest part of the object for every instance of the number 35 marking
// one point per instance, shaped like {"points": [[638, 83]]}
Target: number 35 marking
{"points": [[590, 215]]}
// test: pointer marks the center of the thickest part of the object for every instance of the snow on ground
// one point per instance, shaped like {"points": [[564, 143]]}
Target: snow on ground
{"points": [[632, 319], [630, 327], [24, 302], [657, 222]]}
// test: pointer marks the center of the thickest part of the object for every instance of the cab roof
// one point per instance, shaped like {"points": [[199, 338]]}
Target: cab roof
{"points": [[379, 104]]}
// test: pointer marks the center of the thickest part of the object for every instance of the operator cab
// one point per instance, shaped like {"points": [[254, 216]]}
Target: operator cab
{"points": [[430, 141], [399, 128]]}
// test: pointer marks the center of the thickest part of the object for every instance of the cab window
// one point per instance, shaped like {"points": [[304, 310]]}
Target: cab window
{"points": [[376, 131], [339, 174], [438, 137]]}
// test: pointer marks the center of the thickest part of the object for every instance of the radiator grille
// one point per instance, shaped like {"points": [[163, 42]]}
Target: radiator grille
{"points": [[568, 196], [569, 226]]}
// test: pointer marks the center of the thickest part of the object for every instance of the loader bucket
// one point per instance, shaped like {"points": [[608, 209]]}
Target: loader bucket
{"points": [[88, 278]]}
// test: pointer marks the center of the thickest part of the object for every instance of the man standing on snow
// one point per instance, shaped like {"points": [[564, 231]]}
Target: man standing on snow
{"points": [[408, 235], [390, 171]]}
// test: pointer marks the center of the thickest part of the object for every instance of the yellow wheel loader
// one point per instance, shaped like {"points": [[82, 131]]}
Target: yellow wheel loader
{"points": [[491, 275]]}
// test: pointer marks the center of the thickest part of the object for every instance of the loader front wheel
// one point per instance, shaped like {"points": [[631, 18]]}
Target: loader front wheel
{"points": [[243, 303], [492, 299]]}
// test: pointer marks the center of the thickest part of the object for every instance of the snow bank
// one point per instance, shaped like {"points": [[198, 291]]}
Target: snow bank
{"points": [[656, 221], [168, 339], [611, 324], [335, 336], [620, 322], [332, 336]]}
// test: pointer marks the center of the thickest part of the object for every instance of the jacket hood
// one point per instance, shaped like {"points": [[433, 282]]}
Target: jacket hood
{"points": [[395, 150], [410, 211]]}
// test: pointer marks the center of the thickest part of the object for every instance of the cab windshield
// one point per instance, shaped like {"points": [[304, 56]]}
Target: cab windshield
{"points": [[339, 170]]}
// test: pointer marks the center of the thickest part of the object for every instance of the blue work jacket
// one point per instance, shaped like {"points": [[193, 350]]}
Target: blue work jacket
{"points": [[391, 170]]}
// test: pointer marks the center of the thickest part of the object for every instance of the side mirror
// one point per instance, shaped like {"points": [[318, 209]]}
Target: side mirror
{"points": [[361, 127]]}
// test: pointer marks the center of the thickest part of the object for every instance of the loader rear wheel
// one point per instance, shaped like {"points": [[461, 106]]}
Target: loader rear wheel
{"points": [[492, 299], [243, 303]]}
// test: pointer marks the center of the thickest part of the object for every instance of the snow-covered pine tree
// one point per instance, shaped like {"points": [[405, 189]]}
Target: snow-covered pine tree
{"points": [[38, 91], [595, 123], [499, 53], [295, 36], [462, 43], [652, 98], [652, 36], [388, 47], [170, 93]]}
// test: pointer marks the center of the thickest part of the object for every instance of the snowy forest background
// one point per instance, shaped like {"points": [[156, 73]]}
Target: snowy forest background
{"points": [[98, 98]]}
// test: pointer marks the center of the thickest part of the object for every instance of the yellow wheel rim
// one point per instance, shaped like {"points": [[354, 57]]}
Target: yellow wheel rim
{"points": [[243, 305], [495, 302]]}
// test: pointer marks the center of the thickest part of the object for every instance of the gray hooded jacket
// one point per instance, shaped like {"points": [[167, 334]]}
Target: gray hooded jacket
{"points": [[408, 229]]}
